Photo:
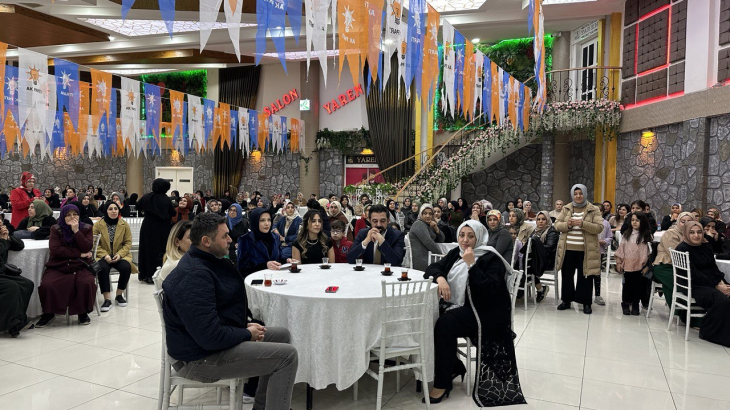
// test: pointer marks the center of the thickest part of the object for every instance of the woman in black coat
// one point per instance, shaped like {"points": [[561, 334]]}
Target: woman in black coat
{"points": [[156, 225], [709, 287], [485, 318], [15, 291], [237, 227], [499, 237], [52, 199]]}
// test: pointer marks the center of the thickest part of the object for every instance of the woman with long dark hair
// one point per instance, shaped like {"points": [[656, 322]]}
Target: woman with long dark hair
{"points": [[312, 244], [156, 225]]}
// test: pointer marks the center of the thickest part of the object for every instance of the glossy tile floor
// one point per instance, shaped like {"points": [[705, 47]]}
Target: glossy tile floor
{"points": [[566, 360]]}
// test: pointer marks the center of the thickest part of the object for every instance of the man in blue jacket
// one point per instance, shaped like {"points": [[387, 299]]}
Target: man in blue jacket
{"points": [[208, 335], [380, 244]]}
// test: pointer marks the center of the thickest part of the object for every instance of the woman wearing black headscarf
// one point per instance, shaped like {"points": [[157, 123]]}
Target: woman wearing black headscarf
{"points": [[84, 216], [709, 287], [156, 225], [259, 249]]}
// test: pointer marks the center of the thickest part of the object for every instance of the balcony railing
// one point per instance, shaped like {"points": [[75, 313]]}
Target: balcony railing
{"points": [[584, 84]]}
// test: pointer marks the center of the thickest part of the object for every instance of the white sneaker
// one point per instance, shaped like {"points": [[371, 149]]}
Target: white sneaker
{"points": [[247, 399], [599, 301]]}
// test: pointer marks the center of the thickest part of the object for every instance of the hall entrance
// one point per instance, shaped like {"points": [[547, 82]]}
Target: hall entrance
{"points": [[180, 178]]}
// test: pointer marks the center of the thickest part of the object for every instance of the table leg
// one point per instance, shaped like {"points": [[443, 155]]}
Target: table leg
{"points": [[310, 390]]}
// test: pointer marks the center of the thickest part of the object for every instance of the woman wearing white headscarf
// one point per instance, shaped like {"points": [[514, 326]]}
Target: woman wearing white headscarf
{"points": [[425, 236], [472, 277]]}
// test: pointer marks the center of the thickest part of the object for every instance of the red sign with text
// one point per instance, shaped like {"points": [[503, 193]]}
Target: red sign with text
{"points": [[343, 99], [282, 102]]}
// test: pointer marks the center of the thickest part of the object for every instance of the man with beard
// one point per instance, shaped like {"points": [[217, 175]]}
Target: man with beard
{"points": [[380, 244]]}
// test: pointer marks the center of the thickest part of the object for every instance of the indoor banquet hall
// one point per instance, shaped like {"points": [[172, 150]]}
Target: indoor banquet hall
{"points": [[351, 205]]}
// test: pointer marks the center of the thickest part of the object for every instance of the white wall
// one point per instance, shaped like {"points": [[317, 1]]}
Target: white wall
{"points": [[274, 83], [701, 55], [351, 116]]}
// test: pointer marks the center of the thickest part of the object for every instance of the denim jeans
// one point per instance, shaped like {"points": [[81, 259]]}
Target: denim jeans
{"points": [[274, 360]]}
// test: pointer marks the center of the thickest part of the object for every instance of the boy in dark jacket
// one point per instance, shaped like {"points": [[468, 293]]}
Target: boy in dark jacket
{"points": [[205, 312]]}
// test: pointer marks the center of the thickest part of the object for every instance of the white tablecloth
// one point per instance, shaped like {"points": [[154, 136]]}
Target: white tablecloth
{"points": [[446, 247], [32, 261], [658, 236], [725, 268], [333, 332]]}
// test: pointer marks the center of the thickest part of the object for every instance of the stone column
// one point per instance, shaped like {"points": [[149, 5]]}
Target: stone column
{"points": [[547, 169], [309, 159], [135, 176], [561, 169]]}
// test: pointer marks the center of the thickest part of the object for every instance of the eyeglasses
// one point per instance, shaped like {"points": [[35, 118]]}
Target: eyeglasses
{"points": [[336, 232]]}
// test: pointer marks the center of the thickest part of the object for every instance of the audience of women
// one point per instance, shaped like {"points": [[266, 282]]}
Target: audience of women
{"points": [[99, 195], [177, 244], [22, 196], [158, 212], [394, 214], [709, 287], [287, 229], [113, 251], [505, 214], [411, 215], [346, 207], [237, 227], [425, 236], [632, 256], [90, 209], [84, 217], [67, 282], [183, 212], [662, 268], [617, 221], [363, 222], [499, 237], [51, 199], [517, 220], [118, 199], [471, 278], [260, 248], [640, 206], [579, 225], [463, 206], [449, 234], [312, 244], [713, 237], [38, 223], [336, 214], [15, 290], [671, 219], [477, 213]]}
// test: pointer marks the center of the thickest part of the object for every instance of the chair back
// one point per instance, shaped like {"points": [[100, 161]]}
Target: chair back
{"points": [[682, 275], [514, 258], [135, 225], [408, 257], [97, 237], [513, 286], [159, 298], [434, 257], [528, 257], [403, 312], [156, 278]]}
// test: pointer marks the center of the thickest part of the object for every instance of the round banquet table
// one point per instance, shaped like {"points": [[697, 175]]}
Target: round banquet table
{"points": [[32, 261], [658, 236], [333, 332]]}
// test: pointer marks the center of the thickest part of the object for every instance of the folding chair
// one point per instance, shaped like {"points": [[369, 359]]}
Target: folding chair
{"points": [[96, 301], [681, 271]]}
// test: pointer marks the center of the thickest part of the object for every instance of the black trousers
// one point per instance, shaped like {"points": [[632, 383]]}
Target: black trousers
{"points": [[716, 323], [571, 292], [455, 323], [125, 271], [633, 288]]}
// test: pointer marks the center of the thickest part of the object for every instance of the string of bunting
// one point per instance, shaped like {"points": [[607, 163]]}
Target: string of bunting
{"points": [[60, 112]]}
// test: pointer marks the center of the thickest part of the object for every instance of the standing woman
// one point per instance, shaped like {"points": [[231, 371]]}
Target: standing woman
{"points": [[287, 228], [67, 281], [259, 249], [312, 244], [580, 222], [237, 227], [425, 236], [158, 213], [183, 212], [113, 251], [22, 196]]}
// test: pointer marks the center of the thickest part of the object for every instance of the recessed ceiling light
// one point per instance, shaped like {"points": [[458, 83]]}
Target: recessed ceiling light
{"points": [[475, 40], [455, 5]]}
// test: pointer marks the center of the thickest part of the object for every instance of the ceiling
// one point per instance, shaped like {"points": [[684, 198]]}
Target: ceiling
{"points": [[64, 29]]}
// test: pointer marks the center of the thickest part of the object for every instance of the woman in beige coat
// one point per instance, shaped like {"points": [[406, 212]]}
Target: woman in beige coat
{"points": [[114, 252], [579, 223]]}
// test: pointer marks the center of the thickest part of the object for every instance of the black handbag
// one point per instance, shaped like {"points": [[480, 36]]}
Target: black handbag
{"points": [[94, 267], [12, 270]]}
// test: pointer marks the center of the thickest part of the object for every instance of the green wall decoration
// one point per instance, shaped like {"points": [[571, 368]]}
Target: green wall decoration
{"points": [[194, 82]]}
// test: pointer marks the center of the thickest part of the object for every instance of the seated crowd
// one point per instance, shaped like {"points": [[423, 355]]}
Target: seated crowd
{"points": [[199, 249]]}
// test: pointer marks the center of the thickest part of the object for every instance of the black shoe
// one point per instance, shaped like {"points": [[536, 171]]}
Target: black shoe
{"points": [[541, 293], [625, 308], [459, 370], [149, 281], [635, 309], [564, 306], [120, 301], [587, 309], [107, 306], [84, 318], [435, 400], [45, 319], [520, 294]]}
